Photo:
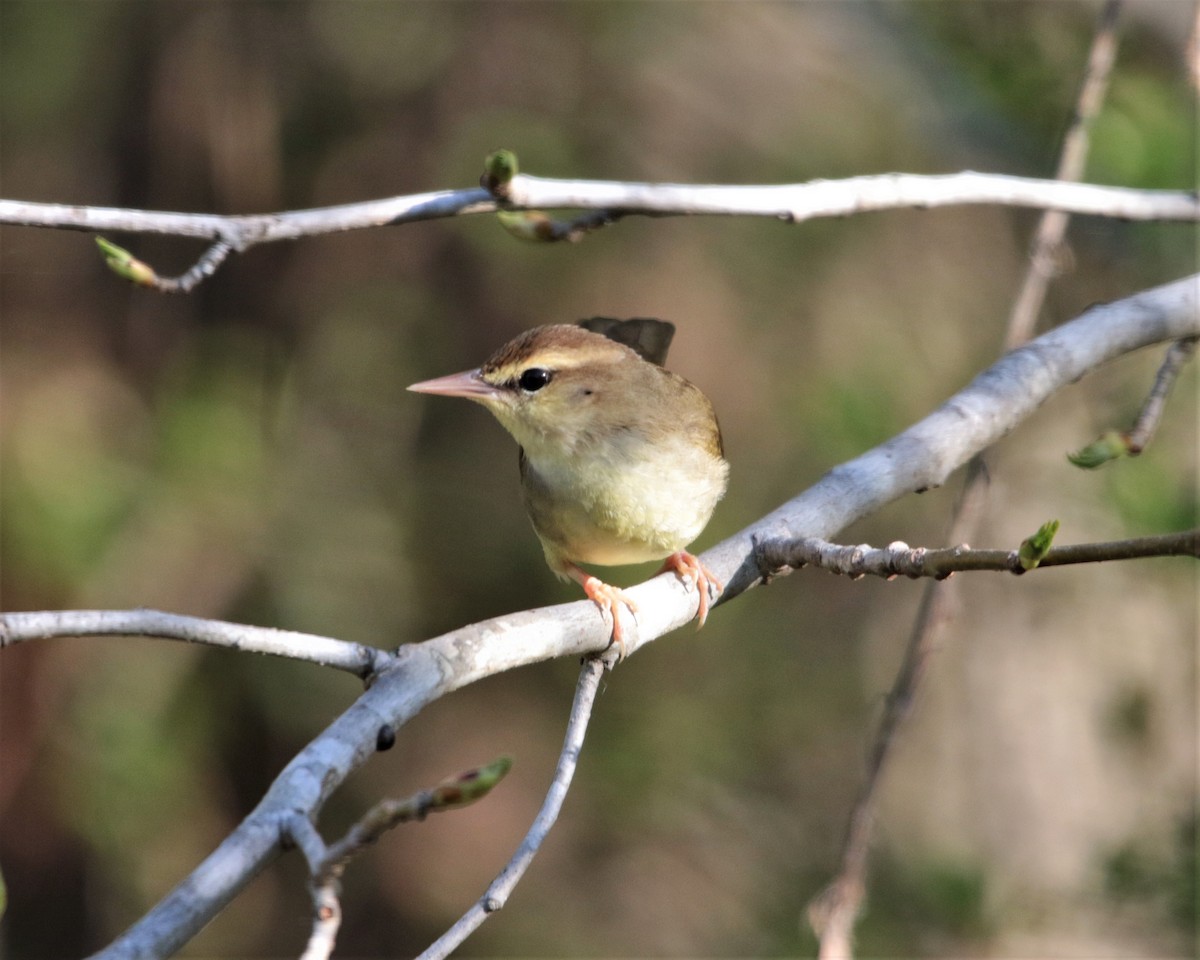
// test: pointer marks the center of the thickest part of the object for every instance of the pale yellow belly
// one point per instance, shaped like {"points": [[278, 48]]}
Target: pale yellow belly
{"points": [[642, 512]]}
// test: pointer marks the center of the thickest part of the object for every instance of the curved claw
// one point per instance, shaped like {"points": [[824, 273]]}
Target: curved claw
{"points": [[689, 567], [606, 597]]}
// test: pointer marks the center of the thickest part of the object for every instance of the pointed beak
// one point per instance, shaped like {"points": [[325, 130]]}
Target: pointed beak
{"points": [[467, 384]]}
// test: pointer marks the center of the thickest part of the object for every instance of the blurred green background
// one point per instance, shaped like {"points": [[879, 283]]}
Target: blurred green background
{"points": [[248, 452]]}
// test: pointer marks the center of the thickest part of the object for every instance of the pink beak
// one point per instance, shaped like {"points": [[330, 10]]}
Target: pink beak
{"points": [[467, 384]]}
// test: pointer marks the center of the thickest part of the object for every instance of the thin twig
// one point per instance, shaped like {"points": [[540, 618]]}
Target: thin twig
{"points": [[791, 203], [1115, 444], [202, 269], [498, 892], [300, 831], [1147, 422], [326, 864], [1046, 255], [324, 888], [1192, 54], [453, 793], [327, 920], [247, 230], [900, 560], [356, 658]]}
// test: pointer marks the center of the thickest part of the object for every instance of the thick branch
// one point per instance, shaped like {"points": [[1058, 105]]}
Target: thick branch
{"points": [[920, 457]]}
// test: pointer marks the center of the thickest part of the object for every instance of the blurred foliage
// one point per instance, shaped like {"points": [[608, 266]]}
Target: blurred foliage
{"points": [[1166, 880], [929, 908], [249, 452]]}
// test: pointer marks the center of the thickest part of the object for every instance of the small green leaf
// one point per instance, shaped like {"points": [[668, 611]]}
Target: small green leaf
{"points": [[1034, 549], [1112, 446], [125, 265]]}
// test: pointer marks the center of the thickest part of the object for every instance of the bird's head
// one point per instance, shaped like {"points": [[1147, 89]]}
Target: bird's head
{"points": [[551, 386]]}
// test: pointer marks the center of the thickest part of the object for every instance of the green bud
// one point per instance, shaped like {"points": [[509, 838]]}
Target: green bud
{"points": [[499, 167], [527, 225], [470, 785], [1112, 446], [125, 265], [1034, 549]]}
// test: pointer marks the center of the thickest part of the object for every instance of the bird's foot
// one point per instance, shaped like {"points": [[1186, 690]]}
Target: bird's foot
{"points": [[607, 597], [689, 567]]}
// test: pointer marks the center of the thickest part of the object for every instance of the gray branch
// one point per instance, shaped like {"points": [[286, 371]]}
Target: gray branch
{"points": [[609, 201], [898, 559], [362, 661], [244, 231], [838, 198], [793, 203]]}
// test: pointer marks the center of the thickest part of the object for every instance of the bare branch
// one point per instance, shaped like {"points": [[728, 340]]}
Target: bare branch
{"points": [[453, 793], [1114, 444], [202, 269], [355, 658], [900, 560], [838, 198], [327, 920], [1046, 256], [302, 832], [498, 892], [327, 864], [244, 231], [612, 200], [1147, 422], [327, 908], [125, 265], [921, 457], [792, 202], [1192, 54]]}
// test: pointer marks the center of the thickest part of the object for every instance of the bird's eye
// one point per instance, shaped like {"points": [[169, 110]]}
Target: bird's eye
{"points": [[534, 379]]}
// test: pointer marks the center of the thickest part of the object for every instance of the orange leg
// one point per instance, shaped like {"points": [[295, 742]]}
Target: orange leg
{"points": [[689, 567], [606, 597]]}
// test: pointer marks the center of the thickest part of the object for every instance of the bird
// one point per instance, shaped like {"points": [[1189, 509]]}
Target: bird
{"points": [[621, 460]]}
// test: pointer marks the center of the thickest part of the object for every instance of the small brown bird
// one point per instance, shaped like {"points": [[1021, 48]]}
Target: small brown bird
{"points": [[621, 460]]}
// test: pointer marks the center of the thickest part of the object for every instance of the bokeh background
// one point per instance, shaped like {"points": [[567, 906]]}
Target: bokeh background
{"points": [[248, 452]]}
